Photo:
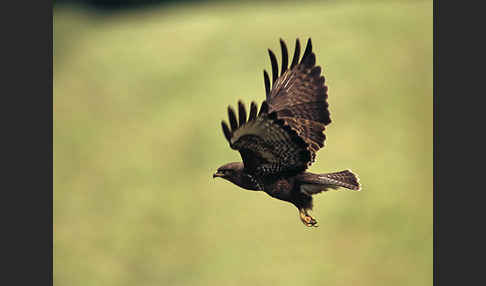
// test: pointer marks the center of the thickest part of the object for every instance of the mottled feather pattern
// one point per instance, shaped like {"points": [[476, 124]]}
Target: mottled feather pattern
{"points": [[299, 95], [308, 110], [267, 144], [308, 129], [311, 131], [345, 179], [316, 183]]}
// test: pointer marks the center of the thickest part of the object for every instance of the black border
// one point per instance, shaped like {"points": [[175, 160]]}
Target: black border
{"points": [[50, 147], [27, 160], [458, 126]]}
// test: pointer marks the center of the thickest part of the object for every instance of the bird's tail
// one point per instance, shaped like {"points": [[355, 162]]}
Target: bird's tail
{"points": [[316, 183], [345, 179]]}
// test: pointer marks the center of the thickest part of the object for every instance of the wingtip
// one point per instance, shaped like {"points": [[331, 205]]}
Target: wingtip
{"points": [[226, 131], [253, 111], [295, 59], [263, 108], [357, 180], [266, 80], [308, 54], [273, 61], [241, 113], [232, 118], [285, 56]]}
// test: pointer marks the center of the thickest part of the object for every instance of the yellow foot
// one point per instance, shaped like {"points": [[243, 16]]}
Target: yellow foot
{"points": [[307, 219]]}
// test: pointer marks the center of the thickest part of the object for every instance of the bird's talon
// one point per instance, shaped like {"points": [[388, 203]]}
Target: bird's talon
{"points": [[307, 219]]}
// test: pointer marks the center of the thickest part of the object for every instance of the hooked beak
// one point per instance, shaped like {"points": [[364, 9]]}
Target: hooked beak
{"points": [[218, 174]]}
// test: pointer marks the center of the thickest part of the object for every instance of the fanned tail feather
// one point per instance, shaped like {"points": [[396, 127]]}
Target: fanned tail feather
{"points": [[346, 179], [316, 183]]}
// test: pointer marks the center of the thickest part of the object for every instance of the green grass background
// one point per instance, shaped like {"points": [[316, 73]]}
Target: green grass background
{"points": [[138, 100]]}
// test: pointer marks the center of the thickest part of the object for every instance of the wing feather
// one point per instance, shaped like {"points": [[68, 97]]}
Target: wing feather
{"points": [[232, 118], [274, 63], [241, 113], [299, 96], [285, 56], [253, 111], [295, 59], [226, 131], [267, 144], [267, 84]]}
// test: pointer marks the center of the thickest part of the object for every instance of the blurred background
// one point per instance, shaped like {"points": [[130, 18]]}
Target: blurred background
{"points": [[139, 93]]}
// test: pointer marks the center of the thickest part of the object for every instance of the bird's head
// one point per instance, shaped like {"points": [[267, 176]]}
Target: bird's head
{"points": [[230, 172]]}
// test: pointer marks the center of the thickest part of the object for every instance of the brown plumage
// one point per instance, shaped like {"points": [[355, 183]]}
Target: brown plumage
{"points": [[279, 143]]}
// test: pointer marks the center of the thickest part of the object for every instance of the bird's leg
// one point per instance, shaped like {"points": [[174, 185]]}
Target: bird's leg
{"points": [[306, 218]]}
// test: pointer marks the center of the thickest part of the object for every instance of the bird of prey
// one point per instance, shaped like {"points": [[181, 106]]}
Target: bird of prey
{"points": [[279, 143]]}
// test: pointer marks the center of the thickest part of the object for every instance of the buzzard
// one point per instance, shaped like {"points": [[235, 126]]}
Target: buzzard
{"points": [[279, 142]]}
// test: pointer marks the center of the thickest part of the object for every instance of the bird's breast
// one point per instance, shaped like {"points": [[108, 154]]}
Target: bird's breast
{"points": [[280, 188]]}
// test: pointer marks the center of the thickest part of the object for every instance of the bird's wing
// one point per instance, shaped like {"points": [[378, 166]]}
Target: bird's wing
{"points": [[268, 145], [299, 95]]}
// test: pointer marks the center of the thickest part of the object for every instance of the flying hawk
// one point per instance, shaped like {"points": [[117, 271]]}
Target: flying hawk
{"points": [[279, 143]]}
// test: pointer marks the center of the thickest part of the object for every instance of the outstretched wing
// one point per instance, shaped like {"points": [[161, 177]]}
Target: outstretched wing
{"points": [[299, 95], [267, 144]]}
